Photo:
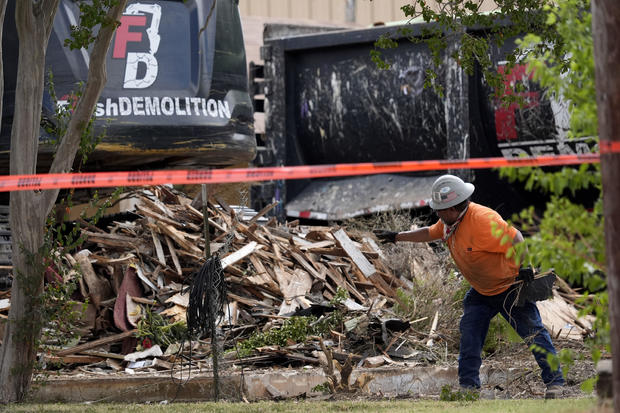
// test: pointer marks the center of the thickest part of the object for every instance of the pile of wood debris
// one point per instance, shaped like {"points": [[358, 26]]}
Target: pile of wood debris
{"points": [[141, 264]]}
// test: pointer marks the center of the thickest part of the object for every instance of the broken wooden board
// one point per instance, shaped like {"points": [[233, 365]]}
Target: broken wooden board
{"points": [[96, 343], [366, 269]]}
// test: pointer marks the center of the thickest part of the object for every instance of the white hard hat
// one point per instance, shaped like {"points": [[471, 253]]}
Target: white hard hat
{"points": [[448, 191]]}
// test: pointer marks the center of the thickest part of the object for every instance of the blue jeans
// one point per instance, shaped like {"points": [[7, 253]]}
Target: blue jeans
{"points": [[478, 312]]}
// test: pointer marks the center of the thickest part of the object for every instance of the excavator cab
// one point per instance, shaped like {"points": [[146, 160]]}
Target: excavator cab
{"points": [[176, 93]]}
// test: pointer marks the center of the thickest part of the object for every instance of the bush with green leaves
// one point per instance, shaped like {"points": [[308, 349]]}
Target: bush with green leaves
{"points": [[294, 329]]}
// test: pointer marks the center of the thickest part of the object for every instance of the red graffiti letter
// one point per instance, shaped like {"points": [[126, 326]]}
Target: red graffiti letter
{"points": [[505, 122], [124, 36]]}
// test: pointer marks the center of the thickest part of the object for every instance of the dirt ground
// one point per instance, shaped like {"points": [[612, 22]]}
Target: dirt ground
{"points": [[528, 383]]}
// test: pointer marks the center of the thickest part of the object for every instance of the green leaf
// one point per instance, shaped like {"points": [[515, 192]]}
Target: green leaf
{"points": [[587, 386]]}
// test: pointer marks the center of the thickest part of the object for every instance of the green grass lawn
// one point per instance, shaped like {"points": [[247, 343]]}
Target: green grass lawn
{"points": [[396, 406]]}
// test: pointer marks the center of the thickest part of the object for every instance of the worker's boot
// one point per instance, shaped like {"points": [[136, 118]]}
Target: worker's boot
{"points": [[554, 392]]}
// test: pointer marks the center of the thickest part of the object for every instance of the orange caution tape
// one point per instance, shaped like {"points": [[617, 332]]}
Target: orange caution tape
{"points": [[609, 147], [213, 176]]}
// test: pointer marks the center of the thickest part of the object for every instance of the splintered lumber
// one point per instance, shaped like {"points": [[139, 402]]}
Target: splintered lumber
{"points": [[144, 278], [73, 359], [431, 334], [240, 254], [98, 288], [111, 240], [263, 212], [158, 247], [562, 319], [244, 300], [373, 246], [307, 266], [354, 253], [157, 217], [337, 252], [319, 245], [294, 288], [366, 269], [251, 235], [96, 343], [179, 237], [173, 255], [262, 275], [157, 204], [107, 261]]}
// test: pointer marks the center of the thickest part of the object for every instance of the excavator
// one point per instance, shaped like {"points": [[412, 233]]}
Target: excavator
{"points": [[177, 89], [176, 95]]}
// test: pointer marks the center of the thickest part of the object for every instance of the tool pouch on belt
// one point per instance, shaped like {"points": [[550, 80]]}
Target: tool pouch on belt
{"points": [[537, 289]]}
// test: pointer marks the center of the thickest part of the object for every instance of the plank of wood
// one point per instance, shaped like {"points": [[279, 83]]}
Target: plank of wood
{"points": [[274, 259], [365, 269], [244, 300], [223, 203], [355, 292], [96, 343], [335, 276], [158, 248], [251, 235], [263, 212], [156, 205], [161, 364], [101, 260], [199, 216], [280, 233], [374, 247], [99, 289], [307, 266], [294, 288], [158, 217], [142, 276], [173, 255], [339, 252], [236, 271], [354, 253], [73, 359], [110, 240], [195, 258], [300, 242], [240, 254], [301, 357], [179, 238], [262, 276], [320, 244], [103, 354]]}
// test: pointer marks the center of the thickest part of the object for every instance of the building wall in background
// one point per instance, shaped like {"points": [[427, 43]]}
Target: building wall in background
{"points": [[366, 12]]}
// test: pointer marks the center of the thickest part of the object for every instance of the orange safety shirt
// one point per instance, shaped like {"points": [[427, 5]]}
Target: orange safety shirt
{"points": [[479, 252]]}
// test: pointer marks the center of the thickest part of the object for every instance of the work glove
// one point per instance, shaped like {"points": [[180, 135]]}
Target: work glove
{"points": [[526, 274], [385, 236]]}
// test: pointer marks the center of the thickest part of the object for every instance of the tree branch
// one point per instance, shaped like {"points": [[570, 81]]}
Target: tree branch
{"points": [[46, 6], [203, 28]]}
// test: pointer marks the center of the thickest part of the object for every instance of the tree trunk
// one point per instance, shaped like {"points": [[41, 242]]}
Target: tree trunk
{"points": [[29, 209], [2, 13], [27, 214], [606, 32]]}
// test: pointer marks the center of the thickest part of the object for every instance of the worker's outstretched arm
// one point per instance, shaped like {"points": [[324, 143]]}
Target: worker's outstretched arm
{"points": [[417, 235]]}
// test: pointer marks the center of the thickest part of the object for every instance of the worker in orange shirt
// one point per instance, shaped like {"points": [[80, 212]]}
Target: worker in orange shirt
{"points": [[471, 233]]}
